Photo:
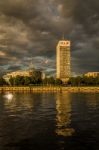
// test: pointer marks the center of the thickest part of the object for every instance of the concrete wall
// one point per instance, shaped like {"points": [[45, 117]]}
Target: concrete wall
{"points": [[49, 89]]}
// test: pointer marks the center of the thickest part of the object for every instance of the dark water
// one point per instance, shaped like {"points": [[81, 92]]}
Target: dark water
{"points": [[49, 122]]}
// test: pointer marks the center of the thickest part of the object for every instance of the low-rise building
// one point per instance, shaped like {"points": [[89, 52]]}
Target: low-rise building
{"points": [[92, 74], [43, 76], [23, 73], [17, 73]]}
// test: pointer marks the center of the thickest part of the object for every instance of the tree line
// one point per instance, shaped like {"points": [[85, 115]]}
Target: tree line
{"points": [[83, 81], [37, 80], [30, 81]]}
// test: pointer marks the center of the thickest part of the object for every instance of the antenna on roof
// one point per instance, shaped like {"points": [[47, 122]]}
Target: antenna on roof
{"points": [[63, 37], [31, 66]]}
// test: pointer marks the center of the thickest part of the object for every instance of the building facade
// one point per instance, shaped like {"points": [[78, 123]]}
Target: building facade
{"points": [[63, 69], [24, 73], [92, 74], [17, 73]]}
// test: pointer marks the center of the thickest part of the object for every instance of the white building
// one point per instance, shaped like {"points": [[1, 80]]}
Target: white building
{"points": [[17, 73], [92, 74], [23, 73]]}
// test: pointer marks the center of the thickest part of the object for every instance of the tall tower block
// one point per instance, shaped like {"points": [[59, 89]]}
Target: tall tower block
{"points": [[63, 60]]}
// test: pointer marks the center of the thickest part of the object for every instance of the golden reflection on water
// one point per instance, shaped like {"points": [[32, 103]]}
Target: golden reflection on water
{"points": [[63, 117]]}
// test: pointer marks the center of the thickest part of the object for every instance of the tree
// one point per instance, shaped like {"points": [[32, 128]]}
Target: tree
{"points": [[27, 80], [45, 81], [11, 81], [72, 81], [36, 77], [50, 80], [58, 82], [16, 81], [78, 81], [2, 81], [86, 81]]}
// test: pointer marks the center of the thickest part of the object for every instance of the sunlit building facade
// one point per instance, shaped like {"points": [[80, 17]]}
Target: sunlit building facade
{"points": [[24, 73], [92, 74], [63, 60], [17, 73]]}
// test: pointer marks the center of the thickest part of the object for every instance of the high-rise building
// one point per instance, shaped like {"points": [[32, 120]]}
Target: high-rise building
{"points": [[63, 60]]}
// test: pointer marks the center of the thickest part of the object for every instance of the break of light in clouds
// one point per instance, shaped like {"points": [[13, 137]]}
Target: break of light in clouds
{"points": [[30, 28]]}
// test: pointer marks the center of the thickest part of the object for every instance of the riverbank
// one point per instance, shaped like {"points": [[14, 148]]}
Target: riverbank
{"points": [[49, 89]]}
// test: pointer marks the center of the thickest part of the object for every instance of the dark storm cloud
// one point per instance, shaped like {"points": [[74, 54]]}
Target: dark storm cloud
{"points": [[14, 68], [30, 28]]}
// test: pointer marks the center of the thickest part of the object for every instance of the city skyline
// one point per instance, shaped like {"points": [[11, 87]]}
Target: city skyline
{"points": [[33, 29]]}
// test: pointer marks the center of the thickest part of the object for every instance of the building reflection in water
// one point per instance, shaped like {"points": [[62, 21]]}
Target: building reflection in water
{"points": [[63, 117]]}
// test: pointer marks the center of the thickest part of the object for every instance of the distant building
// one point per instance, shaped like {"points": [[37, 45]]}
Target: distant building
{"points": [[92, 74], [63, 60], [17, 73], [43, 75], [23, 73]]}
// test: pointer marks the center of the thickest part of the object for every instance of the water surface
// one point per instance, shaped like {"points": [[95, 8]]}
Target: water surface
{"points": [[50, 121]]}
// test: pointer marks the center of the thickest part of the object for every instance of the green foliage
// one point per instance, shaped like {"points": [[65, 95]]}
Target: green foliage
{"points": [[11, 81], [36, 78], [83, 81], [26, 80], [45, 81], [58, 82], [49, 81], [52, 81], [2, 82], [16, 81]]}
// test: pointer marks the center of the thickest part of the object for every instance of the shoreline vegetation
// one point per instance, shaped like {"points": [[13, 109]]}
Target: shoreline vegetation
{"points": [[61, 89], [37, 84]]}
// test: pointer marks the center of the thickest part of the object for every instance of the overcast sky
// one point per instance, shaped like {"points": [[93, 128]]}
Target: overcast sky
{"points": [[30, 29]]}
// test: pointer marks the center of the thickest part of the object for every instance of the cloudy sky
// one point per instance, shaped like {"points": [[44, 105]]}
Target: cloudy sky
{"points": [[30, 30]]}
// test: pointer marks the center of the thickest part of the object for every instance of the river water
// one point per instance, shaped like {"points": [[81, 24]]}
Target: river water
{"points": [[49, 121]]}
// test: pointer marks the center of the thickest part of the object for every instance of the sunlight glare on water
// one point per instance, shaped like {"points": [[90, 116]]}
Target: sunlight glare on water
{"points": [[8, 96]]}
